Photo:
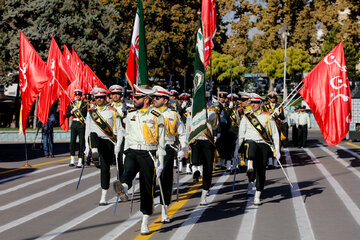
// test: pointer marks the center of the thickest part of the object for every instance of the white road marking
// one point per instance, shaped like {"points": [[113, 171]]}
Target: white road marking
{"points": [[31, 173], [36, 181], [302, 217], [47, 191], [116, 232], [185, 228], [51, 208], [345, 198], [248, 222], [342, 162], [76, 221]]}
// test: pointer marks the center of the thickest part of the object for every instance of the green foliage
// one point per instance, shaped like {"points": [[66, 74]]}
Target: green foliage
{"points": [[83, 25], [222, 64], [272, 63]]}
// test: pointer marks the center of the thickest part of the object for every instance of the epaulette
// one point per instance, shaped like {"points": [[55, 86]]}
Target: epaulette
{"points": [[112, 108], [266, 113], [157, 114], [131, 110]]}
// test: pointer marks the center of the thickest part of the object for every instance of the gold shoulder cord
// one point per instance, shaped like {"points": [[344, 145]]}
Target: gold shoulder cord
{"points": [[171, 128], [151, 136]]}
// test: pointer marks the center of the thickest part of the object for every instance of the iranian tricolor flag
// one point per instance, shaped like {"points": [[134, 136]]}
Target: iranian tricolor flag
{"points": [[199, 111], [136, 72]]}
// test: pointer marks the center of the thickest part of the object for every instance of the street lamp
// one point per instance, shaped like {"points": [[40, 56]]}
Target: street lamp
{"points": [[284, 33]]}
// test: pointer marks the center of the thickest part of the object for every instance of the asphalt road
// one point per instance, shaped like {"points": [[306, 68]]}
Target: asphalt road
{"points": [[42, 202]]}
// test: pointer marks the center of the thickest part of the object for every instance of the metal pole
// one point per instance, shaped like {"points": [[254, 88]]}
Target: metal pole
{"points": [[285, 60], [184, 80], [231, 85]]}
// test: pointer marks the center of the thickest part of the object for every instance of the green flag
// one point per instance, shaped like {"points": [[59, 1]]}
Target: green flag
{"points": [[199, 111], [143, 72]]}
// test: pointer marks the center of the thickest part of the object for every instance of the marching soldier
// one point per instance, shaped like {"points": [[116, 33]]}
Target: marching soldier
{"points": [[174, 128], [222, 133], [233, 130], [302, 123], [144, 138], [202, 153], [78, 110], [277, 112], [116, 96], [103, 131], [260, 134]]}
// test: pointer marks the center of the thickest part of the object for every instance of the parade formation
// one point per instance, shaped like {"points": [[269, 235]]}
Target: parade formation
{"points": [[152, 144]]}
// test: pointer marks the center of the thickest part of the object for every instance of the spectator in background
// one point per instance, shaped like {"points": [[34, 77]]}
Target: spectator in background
{"points": [[48, 135]]}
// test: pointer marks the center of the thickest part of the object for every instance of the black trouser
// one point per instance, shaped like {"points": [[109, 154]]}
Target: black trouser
{"points": [[77, 129], [168, 174], [285, 130], [120, 157], [302, 135], [259, 153], [106, 152], [140, 160], [202, 153], [295, 136]]}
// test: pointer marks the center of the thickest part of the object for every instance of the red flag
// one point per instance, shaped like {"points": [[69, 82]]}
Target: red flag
{"points": [[67, 56], [95, 81], [52, 91], [208, 18], [33, 75], [327, 92], [78, 69]]}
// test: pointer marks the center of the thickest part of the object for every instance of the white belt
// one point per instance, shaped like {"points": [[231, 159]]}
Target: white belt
{"points": [[170, 142], [76, 119], [143, 147]]}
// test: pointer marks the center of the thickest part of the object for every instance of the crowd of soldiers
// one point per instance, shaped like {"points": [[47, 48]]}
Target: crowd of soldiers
{"points": [[146, 135]]}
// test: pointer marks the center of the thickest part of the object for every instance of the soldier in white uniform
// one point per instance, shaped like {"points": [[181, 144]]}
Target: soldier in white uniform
{"points": [[144, 138], [174, 129], [116, 96], [202, 153], [103, 131], [260, 134], [302, 123]]}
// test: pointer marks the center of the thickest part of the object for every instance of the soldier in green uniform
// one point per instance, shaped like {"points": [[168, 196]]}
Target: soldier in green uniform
{"points": [[103, 131], [144, 139], [260, 136], [174, 130], [78, 110]]}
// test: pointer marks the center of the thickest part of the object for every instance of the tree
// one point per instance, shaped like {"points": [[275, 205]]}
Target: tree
{"points": [[272, 63], [222, 64], [84, 25]]}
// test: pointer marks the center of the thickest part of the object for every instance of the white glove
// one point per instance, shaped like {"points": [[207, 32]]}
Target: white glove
{"points": [[183, 104], [214, 101], [277, 154], [117, 149], [231, 104], [87, 151], [277, 111], [159, 168], [74, 109], [180, 155]]}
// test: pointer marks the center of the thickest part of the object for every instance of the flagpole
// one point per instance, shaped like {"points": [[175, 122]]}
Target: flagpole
{"points": [[26, 155]]}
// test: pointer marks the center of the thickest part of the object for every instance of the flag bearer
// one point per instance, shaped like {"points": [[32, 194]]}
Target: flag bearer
{"points": [[174, 128], [144, 139], [103, 132], [78, 110], [260, 136]]}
